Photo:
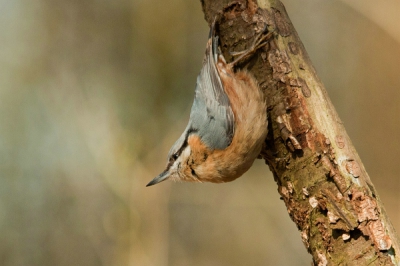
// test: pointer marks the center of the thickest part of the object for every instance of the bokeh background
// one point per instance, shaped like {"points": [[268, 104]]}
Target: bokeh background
{"points": [[93, 94]]}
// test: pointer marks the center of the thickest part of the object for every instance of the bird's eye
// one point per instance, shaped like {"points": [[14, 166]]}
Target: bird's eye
{"points": [[175, 156]]}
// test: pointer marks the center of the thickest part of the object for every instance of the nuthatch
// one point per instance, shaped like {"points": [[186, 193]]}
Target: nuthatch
{"points": [[227, 125]]}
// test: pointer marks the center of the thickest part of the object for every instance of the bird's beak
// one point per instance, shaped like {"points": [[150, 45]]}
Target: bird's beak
{"points": [[161, 177]]}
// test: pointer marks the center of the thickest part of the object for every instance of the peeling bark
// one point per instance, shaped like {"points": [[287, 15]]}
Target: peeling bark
{"points": [[319, 174]]}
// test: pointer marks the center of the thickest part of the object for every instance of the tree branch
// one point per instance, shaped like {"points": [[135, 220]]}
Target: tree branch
{"points": [[320, 176]]}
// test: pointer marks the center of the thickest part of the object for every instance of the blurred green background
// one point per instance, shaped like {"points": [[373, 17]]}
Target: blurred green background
{"points": [[93, 94]]}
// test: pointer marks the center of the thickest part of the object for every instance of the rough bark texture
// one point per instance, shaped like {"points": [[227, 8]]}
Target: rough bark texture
{"points": [[320, 176]]}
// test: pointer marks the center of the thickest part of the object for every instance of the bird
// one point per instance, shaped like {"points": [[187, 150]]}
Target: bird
{"points": [[228, 121]]}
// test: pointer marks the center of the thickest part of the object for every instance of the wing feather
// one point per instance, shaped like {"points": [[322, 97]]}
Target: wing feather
{"points": [[211, 115]]}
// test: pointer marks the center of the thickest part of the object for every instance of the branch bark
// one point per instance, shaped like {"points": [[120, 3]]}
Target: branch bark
{"points": [[320, 176]]}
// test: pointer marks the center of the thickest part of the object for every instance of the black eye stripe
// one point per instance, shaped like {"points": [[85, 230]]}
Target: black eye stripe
{"points": [[184, 144]]}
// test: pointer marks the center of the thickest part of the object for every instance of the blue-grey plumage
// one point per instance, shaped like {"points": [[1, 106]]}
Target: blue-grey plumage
{"points": [[227, 123], [211, 115]]}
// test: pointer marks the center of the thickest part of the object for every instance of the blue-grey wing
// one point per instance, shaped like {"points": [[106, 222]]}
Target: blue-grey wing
{"points": [[211, 115]]}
